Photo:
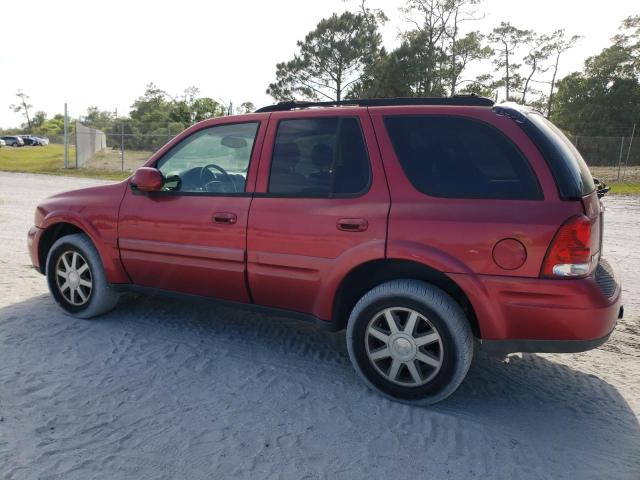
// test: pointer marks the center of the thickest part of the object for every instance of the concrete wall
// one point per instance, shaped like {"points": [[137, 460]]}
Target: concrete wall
{"points": [[88, 142]]}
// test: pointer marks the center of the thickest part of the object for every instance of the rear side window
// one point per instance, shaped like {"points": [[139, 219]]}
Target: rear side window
{"points": [[569, 169], [319, 157], [457, 157]]}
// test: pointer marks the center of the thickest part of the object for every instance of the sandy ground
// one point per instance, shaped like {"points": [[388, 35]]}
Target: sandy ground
{"points": [[166, 389]]}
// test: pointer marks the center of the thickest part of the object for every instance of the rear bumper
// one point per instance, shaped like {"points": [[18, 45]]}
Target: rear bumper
{"points": [[542, 315]]}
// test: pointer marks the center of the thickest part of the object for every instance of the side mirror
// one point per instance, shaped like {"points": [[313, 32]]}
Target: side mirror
{"points": [[147, 179]]}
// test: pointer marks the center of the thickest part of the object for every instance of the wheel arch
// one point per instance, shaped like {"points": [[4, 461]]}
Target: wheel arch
{"points": [[57, 226], [368, 275], [50, 235]]}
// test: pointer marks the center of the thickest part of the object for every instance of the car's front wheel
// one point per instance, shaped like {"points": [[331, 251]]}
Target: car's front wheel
{"points": [[410, 341], [77, 279]]}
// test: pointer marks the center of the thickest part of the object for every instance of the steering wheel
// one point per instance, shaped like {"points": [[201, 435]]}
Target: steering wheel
{"points": [[226, 177]]}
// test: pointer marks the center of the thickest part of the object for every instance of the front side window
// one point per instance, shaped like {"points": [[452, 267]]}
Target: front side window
{"points": [[212, 160], [319, 157], [458, 157]]}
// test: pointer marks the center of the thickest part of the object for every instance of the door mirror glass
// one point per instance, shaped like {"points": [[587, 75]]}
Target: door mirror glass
{"points": [[147, 179]]}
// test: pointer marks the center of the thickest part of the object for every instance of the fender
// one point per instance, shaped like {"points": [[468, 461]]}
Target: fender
{"points": [[350, 259], [374, 250], [428, 256], [93, 210], [485, 309], [107, 247], [468, 281]]}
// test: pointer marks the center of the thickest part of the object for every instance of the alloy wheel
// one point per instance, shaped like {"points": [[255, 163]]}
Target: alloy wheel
{"points": [[404, 346], [73, 278]]}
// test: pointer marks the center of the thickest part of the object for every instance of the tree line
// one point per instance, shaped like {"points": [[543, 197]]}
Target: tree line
{"points": [[343, 58], [154, 118]]}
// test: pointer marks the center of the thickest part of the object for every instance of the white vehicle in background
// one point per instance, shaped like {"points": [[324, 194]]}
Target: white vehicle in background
{"points": [[2, 143]]}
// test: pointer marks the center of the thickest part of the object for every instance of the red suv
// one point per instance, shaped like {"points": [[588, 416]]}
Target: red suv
{"points": [[425, 227]]}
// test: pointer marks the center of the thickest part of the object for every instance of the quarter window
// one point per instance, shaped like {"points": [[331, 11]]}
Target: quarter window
{"points": [[212, 160], [461, 158], [319, 157]]}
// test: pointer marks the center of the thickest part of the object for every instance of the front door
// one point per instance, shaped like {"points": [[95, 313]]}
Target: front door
{"points": [[191, 236]]}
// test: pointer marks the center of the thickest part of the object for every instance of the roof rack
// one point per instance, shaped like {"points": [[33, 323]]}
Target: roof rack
{"points": [[458, 100]]}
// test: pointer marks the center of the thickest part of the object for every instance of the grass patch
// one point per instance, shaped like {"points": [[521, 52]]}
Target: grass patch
{"points": [[50, 160], [624, 188]]}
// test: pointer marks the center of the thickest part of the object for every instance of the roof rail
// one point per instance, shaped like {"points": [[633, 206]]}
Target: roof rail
{"points": [[458, 100]]}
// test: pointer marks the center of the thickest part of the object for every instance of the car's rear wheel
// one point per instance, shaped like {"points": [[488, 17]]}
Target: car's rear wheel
{"points": [[76, 278], [410, 341]]}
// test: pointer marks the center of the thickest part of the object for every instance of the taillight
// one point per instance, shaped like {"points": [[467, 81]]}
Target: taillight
{"points": [[570, 252]]}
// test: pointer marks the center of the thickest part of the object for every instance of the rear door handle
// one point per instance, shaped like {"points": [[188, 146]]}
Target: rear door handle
{"points": [[225, 218], [352, 224]]}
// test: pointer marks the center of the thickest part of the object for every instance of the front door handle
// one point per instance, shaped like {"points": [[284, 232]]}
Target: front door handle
{"points": [[225, 218], [352, 224]]}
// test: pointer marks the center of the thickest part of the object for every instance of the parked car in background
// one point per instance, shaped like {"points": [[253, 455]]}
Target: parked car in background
{"points": [[43, 140], [427, 228], [3, 143], [30, 140], [13, 140]]}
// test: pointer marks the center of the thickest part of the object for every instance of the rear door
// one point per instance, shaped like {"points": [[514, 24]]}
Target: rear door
{"points": [[320, 208]]}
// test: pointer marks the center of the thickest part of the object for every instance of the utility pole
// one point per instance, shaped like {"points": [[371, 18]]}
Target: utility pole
{"points": [[620, 158], [122, 146], [66, 138], [626, 162]]}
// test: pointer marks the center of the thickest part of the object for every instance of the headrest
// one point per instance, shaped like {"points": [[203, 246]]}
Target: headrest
{"points": [[285, 157], [322, 156]]}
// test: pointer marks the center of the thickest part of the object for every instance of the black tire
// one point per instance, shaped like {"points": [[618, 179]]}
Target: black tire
{"points": [[99, 298], [443, 316]]}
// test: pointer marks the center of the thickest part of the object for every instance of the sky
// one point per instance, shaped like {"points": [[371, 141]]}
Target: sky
{"points": [[85, 55]]}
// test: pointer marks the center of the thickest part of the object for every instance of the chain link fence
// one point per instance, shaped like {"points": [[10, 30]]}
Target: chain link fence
{"points": [[122, 149], [613, 159]]}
